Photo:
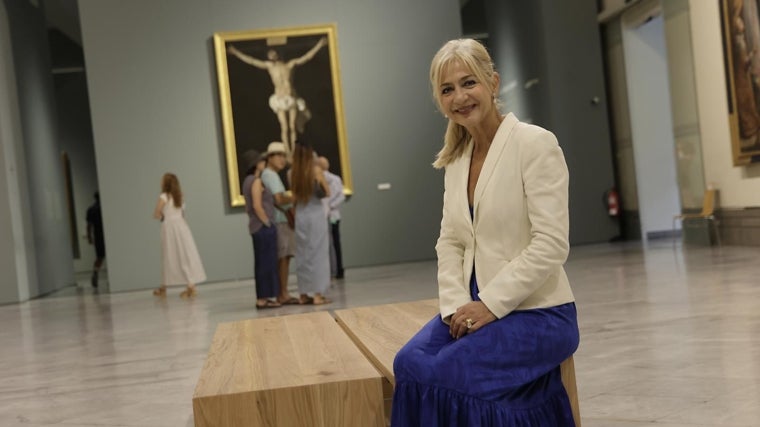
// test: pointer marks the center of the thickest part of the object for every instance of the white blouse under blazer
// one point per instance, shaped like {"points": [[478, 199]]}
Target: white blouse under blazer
{"points": [[518, 237]]}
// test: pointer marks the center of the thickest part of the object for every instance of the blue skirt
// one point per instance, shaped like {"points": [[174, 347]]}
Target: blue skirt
{"points": [[505, 374]]}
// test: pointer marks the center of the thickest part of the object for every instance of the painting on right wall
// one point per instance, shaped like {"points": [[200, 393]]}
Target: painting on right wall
{"points": [[741, 46]]}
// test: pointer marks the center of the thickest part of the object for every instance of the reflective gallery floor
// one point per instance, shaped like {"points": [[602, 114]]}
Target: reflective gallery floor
{"points": [[670, 337]]}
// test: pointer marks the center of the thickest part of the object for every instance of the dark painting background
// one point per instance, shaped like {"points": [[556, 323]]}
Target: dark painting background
{"points": [[256, 125]]}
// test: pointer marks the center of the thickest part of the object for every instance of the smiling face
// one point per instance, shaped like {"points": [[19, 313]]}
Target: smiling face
{"points": [[463, 97]]}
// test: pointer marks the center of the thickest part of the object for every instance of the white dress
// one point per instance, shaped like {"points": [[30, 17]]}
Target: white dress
{"points": [[181, 262]]}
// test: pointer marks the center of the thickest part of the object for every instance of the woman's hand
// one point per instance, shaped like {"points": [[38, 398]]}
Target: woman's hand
{"points": [[476, 313]]}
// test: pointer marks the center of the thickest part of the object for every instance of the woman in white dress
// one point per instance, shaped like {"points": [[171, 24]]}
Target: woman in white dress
{"points": [[180, 260]]}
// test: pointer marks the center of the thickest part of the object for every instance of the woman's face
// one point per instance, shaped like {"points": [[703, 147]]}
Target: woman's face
{"points": [[463, 98], [260, 166]]}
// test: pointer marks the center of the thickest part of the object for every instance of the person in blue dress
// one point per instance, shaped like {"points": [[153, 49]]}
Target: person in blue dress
{"points": [[507, 313], [312, 239]]}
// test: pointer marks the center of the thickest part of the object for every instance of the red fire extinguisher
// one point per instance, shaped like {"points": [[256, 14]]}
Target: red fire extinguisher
{"points": [[613, 202]]}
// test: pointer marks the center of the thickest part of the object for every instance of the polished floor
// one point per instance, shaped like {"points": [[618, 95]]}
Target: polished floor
{"points": [[670, 337]]}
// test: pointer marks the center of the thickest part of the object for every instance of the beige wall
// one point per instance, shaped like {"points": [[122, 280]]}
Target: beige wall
{"points": [[739, 186]]}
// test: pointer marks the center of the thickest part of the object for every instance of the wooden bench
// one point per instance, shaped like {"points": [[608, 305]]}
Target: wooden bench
{"points": [[380, 331], [299, 370]]}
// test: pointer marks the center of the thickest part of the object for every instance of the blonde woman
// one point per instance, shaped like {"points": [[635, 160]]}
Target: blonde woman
{"points": [[507, 314], [181, 264]]}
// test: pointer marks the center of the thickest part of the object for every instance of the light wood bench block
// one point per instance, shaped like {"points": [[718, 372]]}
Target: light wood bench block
{"points": [[299, 370], [380, 331], [567, 368]]}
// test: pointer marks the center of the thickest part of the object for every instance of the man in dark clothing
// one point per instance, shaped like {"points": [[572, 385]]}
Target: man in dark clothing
{"points": [[95, 236]]}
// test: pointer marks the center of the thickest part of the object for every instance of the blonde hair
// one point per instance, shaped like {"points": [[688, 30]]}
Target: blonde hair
{"points": [[474, 56], [170, 185]]}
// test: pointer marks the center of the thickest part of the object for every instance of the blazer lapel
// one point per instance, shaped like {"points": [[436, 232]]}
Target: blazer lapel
{"points": [[461, 176], [494, 153]]}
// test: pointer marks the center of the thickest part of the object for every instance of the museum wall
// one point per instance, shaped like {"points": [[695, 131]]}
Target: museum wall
{"points": [[738, 186], [41, 244], [75, 136], [11, 251], [548, 81], [154, 105]]}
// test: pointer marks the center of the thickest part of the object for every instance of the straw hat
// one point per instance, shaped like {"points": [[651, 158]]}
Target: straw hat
{"points": [[276, 148]]}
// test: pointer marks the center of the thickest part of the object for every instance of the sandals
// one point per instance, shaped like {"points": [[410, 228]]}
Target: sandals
{"points": [[307, 300], [289, 301], [268, 304], [188, 293]]}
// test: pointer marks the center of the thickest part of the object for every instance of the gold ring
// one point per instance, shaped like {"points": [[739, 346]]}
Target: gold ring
{"points": [[468, 323]]}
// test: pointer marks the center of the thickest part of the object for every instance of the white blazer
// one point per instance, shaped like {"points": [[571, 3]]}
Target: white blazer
{"points": [[518, 238]]}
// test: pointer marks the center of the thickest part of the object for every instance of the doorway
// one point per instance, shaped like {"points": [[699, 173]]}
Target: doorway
{"points": [[646, 67]]}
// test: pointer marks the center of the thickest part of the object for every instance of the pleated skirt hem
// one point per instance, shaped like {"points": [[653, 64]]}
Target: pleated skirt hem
{"points": [[436, 406]]}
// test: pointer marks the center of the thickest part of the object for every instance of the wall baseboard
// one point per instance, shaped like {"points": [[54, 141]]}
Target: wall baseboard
{"points": [[739, 226], [630, 226], [664, 234]]}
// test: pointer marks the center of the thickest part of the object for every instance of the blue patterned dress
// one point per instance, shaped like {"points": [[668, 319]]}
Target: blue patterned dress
{"points": [[312, 246]]}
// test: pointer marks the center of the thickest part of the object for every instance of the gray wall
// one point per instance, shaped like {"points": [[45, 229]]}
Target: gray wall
{"points": [[620, 125], [75, 136], [516, 40], [15, 232], [558, 43], [154, 109], [576, 75], [40, 156]]}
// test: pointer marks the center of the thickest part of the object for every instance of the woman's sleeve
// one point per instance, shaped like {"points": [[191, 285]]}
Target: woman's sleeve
{"points": [[452, 292], [545, 184]]}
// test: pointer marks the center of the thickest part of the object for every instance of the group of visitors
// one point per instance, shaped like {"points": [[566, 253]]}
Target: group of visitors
{"points": [[301, 223], [286, 224]]}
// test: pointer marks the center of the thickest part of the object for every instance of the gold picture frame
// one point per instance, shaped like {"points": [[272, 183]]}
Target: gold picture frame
{"points": [[280, 84], [741, 46]]}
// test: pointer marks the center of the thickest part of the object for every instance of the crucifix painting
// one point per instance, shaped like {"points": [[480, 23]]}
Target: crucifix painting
{"points": [[275, 83]]}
